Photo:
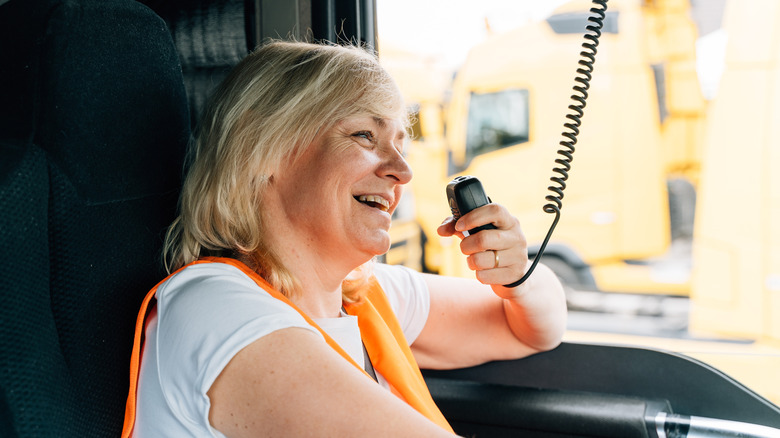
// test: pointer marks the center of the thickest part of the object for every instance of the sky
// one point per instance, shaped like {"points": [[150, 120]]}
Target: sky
{"points": [[447, 29], [450, 27]]}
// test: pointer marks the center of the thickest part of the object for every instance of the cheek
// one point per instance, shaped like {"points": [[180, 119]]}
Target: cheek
{"points": [[303, 196]]}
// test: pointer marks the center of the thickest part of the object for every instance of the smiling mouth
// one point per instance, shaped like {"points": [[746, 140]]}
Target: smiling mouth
{"points": [[374, 201]]}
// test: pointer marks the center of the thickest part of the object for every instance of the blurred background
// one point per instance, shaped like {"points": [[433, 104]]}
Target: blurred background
{"points": [[669, 233]]}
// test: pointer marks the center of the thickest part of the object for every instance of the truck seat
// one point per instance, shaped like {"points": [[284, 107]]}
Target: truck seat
{"points": [[94, 122]]}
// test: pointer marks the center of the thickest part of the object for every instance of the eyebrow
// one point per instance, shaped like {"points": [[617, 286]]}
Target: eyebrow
{"points": [[380, 122]]}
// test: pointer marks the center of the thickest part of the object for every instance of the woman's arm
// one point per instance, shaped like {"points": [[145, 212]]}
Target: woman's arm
{"points": [[472, 322], [291, 383]]}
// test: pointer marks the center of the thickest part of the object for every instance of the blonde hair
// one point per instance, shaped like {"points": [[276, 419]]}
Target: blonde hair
{"points": [[268, 110]]}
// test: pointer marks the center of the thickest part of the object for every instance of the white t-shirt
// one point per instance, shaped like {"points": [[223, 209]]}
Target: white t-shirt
{"points": [[208, 312]]}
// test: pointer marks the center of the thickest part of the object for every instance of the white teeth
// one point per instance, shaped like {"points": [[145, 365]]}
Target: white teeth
{"points": [[378, 201]]}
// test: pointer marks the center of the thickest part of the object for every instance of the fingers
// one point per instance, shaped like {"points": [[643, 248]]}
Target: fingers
{"points": [[505, 237], [498, 256], [490, 259], [487, 214], [499, 266], [447, 228]]}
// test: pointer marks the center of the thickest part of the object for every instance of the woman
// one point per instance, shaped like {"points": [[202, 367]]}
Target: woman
{"points": [[296, 171]]}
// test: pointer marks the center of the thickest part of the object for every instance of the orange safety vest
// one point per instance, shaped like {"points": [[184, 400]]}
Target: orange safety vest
{"points": [[382, 335]]}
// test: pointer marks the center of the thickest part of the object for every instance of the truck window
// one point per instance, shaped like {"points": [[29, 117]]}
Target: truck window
{"points": [[415, 126], [496, 120], [575, 22]]}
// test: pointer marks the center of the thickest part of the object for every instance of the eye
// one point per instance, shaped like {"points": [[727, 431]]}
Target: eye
{"points": [[367, 135]]}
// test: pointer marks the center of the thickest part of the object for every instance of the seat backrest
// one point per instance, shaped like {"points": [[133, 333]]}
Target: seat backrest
{"points": [[93, 128], [211, 37]]}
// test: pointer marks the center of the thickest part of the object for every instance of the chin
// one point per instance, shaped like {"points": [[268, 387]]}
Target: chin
{"points": [[379, 244], [380, 249]]}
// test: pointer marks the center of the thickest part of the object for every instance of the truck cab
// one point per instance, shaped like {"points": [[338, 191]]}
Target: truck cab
{"points": [[99, 98], [629, 202]]}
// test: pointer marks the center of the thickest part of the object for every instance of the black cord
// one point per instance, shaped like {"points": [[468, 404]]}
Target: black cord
{"points": [[584, 75]]}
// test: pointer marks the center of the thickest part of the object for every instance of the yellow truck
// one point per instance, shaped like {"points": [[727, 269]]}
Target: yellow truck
{"points": [[736, 276], [628, 209], [639, 167]]}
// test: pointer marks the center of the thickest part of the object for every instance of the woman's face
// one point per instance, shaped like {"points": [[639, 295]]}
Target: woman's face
{"points": [[340, 194]]}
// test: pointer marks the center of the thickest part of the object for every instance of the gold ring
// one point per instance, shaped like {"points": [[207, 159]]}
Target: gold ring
{"points": [[495, 253]]}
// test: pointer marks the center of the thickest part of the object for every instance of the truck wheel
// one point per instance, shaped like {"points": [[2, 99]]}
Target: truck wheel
{"points": [[566, 273]]}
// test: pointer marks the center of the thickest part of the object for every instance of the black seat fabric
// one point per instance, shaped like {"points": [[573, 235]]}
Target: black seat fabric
{"points": [[211, 38], [93, 126]]}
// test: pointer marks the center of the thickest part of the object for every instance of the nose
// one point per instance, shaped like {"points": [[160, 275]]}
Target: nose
{"points": [[395, 167]]}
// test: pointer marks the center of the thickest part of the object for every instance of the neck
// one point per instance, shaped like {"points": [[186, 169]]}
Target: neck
{"points": [[320, 293], [319, 275], [318, 263]]}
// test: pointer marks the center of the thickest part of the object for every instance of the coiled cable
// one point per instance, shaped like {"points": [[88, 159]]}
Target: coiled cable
{"points": [[577, 110]]}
